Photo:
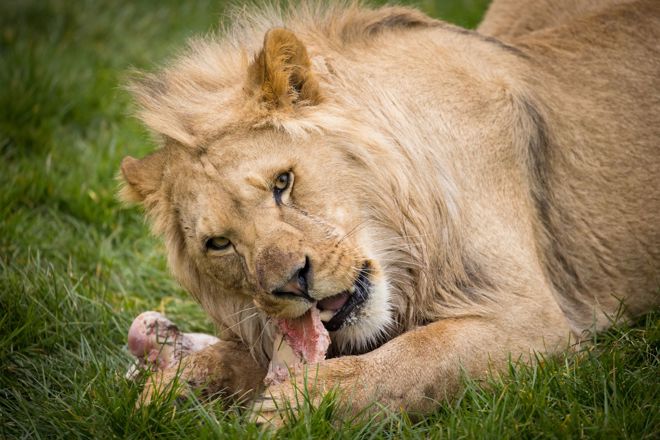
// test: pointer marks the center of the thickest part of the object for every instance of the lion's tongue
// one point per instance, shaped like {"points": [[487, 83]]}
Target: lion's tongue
{"points": [[307, 336], [334, 303]]}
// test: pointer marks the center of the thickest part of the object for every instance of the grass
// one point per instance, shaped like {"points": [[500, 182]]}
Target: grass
{"points": [[76, 267]]}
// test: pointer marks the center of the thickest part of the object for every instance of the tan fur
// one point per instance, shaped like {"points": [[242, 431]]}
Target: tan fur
{"points": [[503, 192]]}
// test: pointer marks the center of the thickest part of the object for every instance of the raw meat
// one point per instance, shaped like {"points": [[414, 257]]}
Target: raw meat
{"points": [[301, 340]]}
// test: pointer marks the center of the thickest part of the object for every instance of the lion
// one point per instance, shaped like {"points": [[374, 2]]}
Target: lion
{"points": [[448, 199]]}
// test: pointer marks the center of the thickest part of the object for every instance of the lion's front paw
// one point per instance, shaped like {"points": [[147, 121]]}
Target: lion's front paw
{"points": [[269, 412], [306, 389], [163, 386], [283, 402]]}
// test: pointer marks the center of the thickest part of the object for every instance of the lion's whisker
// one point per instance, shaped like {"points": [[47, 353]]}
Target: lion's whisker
{"points": [[261, 334], [353, 230], [242, 311], [242, 321]]}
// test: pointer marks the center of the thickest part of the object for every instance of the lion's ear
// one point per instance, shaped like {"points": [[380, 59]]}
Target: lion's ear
{"points": [[281, 73], [142, 177]]}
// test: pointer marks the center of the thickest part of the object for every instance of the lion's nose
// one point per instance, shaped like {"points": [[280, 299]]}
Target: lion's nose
{"points": [[283, 272], [297, 284]]}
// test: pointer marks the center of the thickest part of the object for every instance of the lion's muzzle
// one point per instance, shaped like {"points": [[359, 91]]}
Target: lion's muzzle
{"points": [[283, 273]]}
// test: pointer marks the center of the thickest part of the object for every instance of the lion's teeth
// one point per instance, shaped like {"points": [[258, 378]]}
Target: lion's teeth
{"points": [[326, 315], [352, 290]]}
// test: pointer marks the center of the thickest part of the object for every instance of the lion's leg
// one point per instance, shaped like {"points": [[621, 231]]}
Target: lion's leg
{"points": [[423, 366], [225, 368]]}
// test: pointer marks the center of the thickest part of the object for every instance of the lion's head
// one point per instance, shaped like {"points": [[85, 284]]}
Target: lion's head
{"points": [[260, 222], [283, 183]]}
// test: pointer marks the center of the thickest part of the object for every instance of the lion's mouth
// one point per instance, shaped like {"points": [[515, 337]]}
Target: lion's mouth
{"points": [[307, 336], [339, 310]]}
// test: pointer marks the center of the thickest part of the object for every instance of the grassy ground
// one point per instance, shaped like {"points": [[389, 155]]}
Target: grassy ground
{"points": [[75, 267]]}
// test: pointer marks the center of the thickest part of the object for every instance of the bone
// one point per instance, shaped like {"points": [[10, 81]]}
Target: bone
{"points": [[284, 359], [157, 343], [298, 341]]}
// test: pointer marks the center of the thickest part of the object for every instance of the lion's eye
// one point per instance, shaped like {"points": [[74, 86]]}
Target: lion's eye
{"points": [[282, 182], [218, 243], [281, 185]]}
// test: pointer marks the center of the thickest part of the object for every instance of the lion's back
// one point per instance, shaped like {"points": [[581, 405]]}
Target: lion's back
{"points": [[599, 76]]}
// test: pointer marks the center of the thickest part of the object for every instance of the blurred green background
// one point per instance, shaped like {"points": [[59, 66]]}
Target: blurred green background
{"points": [[76, 267]]}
